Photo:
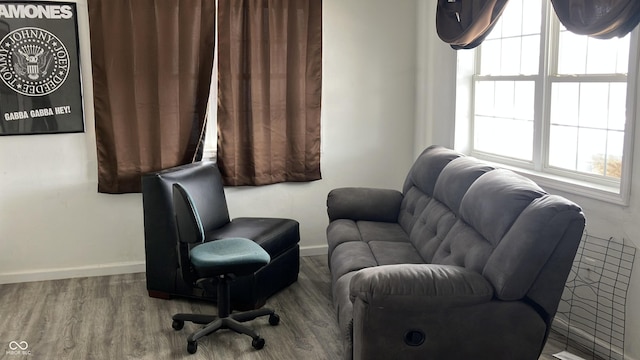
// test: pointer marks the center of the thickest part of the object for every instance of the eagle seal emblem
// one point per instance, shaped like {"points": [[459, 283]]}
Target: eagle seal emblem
{"points": [[33, 61]]}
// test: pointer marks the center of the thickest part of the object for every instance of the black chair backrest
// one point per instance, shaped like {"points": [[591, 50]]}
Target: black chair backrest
{"points": [[188, 222], [188, 228]]}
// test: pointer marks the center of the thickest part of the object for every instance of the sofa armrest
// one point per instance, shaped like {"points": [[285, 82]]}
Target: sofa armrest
{"points": [[438, 312], [367, 204], [427, 286]]}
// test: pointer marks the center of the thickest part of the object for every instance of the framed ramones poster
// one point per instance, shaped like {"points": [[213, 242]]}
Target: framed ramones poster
{"points": [[40, 89]]}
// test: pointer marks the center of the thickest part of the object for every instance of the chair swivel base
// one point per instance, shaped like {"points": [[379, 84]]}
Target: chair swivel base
{"points": [[232, 322]]}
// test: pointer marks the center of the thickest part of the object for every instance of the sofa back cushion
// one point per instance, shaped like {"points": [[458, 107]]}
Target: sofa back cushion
{"points": [[543, 239], [494, 202], [461, 211], [420, 183], [456, 178], [425, 170], [435, 214]]}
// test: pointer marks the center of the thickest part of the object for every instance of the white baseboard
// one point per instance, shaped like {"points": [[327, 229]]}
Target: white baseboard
{"points": [[314, 250], [562, 327], [67, 273], [107, 269]]}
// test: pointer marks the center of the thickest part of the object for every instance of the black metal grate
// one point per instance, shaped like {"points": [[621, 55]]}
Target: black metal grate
{"points": [[591, 314]]}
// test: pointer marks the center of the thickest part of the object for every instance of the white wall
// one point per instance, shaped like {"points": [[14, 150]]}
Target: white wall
{"points": [[435, 86], [437, 69], [54, 224]]}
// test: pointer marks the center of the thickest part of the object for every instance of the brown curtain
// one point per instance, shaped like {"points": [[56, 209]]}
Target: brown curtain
{"points": [[152, 62], [603, 19], [465, 24], [269, 78]]}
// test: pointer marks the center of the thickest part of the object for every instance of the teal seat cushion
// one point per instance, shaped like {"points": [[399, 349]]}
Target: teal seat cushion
{"points": [[237, 256]]}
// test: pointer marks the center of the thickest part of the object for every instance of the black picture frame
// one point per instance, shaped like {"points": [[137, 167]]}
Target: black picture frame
{"points": [[40, 79]]}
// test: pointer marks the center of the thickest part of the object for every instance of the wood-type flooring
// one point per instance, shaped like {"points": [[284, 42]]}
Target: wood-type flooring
{"points": [[112, 317]]}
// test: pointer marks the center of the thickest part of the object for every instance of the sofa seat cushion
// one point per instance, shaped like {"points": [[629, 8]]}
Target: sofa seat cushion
{"points": [[381, 231], [394, 252], [356, 255], [341, 231], [345, 230], [351, 256]]}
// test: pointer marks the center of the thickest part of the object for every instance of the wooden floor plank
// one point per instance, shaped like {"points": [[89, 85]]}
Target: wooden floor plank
{"points": [[112, 317]]}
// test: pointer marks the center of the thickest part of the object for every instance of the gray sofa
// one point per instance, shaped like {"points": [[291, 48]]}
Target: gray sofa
{"points": [[467, 262]]}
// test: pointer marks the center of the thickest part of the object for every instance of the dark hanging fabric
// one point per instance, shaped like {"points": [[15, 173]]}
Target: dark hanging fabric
{"points": [[464, 24], [152, 63], [602, 19], [269, 81]]}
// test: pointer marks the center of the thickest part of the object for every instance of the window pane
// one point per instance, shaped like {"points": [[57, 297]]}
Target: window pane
{"points": [[524, 100], [617, 106], [594, 103], [531, 22], [505, 99], [598, 64], [511, 54], [512, 19], [565, 103], [490, 57], [485, 98], [506, 137], [530, 55], [615, 144], [622, 54], [513, 46], [592, 147], [580, 54], [587, 127], [504, 113], [504, 104], [563, 147], [572, 53]]}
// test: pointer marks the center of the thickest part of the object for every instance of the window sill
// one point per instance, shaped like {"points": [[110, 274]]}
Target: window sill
{"points": [[549, 182]]}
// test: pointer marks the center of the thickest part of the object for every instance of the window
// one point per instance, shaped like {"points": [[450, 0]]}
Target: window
{"points": [[211, 128], [553, 104]]}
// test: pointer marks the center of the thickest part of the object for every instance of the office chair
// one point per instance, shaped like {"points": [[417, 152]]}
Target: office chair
{"points": [[277, 236], [218, 261]]}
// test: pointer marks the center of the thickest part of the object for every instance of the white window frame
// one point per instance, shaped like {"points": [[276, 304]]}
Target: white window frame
{"points": [[210, 150], [612, 191]]}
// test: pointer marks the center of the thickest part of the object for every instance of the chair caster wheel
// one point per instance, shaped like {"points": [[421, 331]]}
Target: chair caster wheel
{"points": [[192, 347], [177, 325], [258, 343], [274, 319]]}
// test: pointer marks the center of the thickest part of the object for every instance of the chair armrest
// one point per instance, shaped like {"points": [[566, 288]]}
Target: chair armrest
{"points": [[364, 204], [419, 286]]}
